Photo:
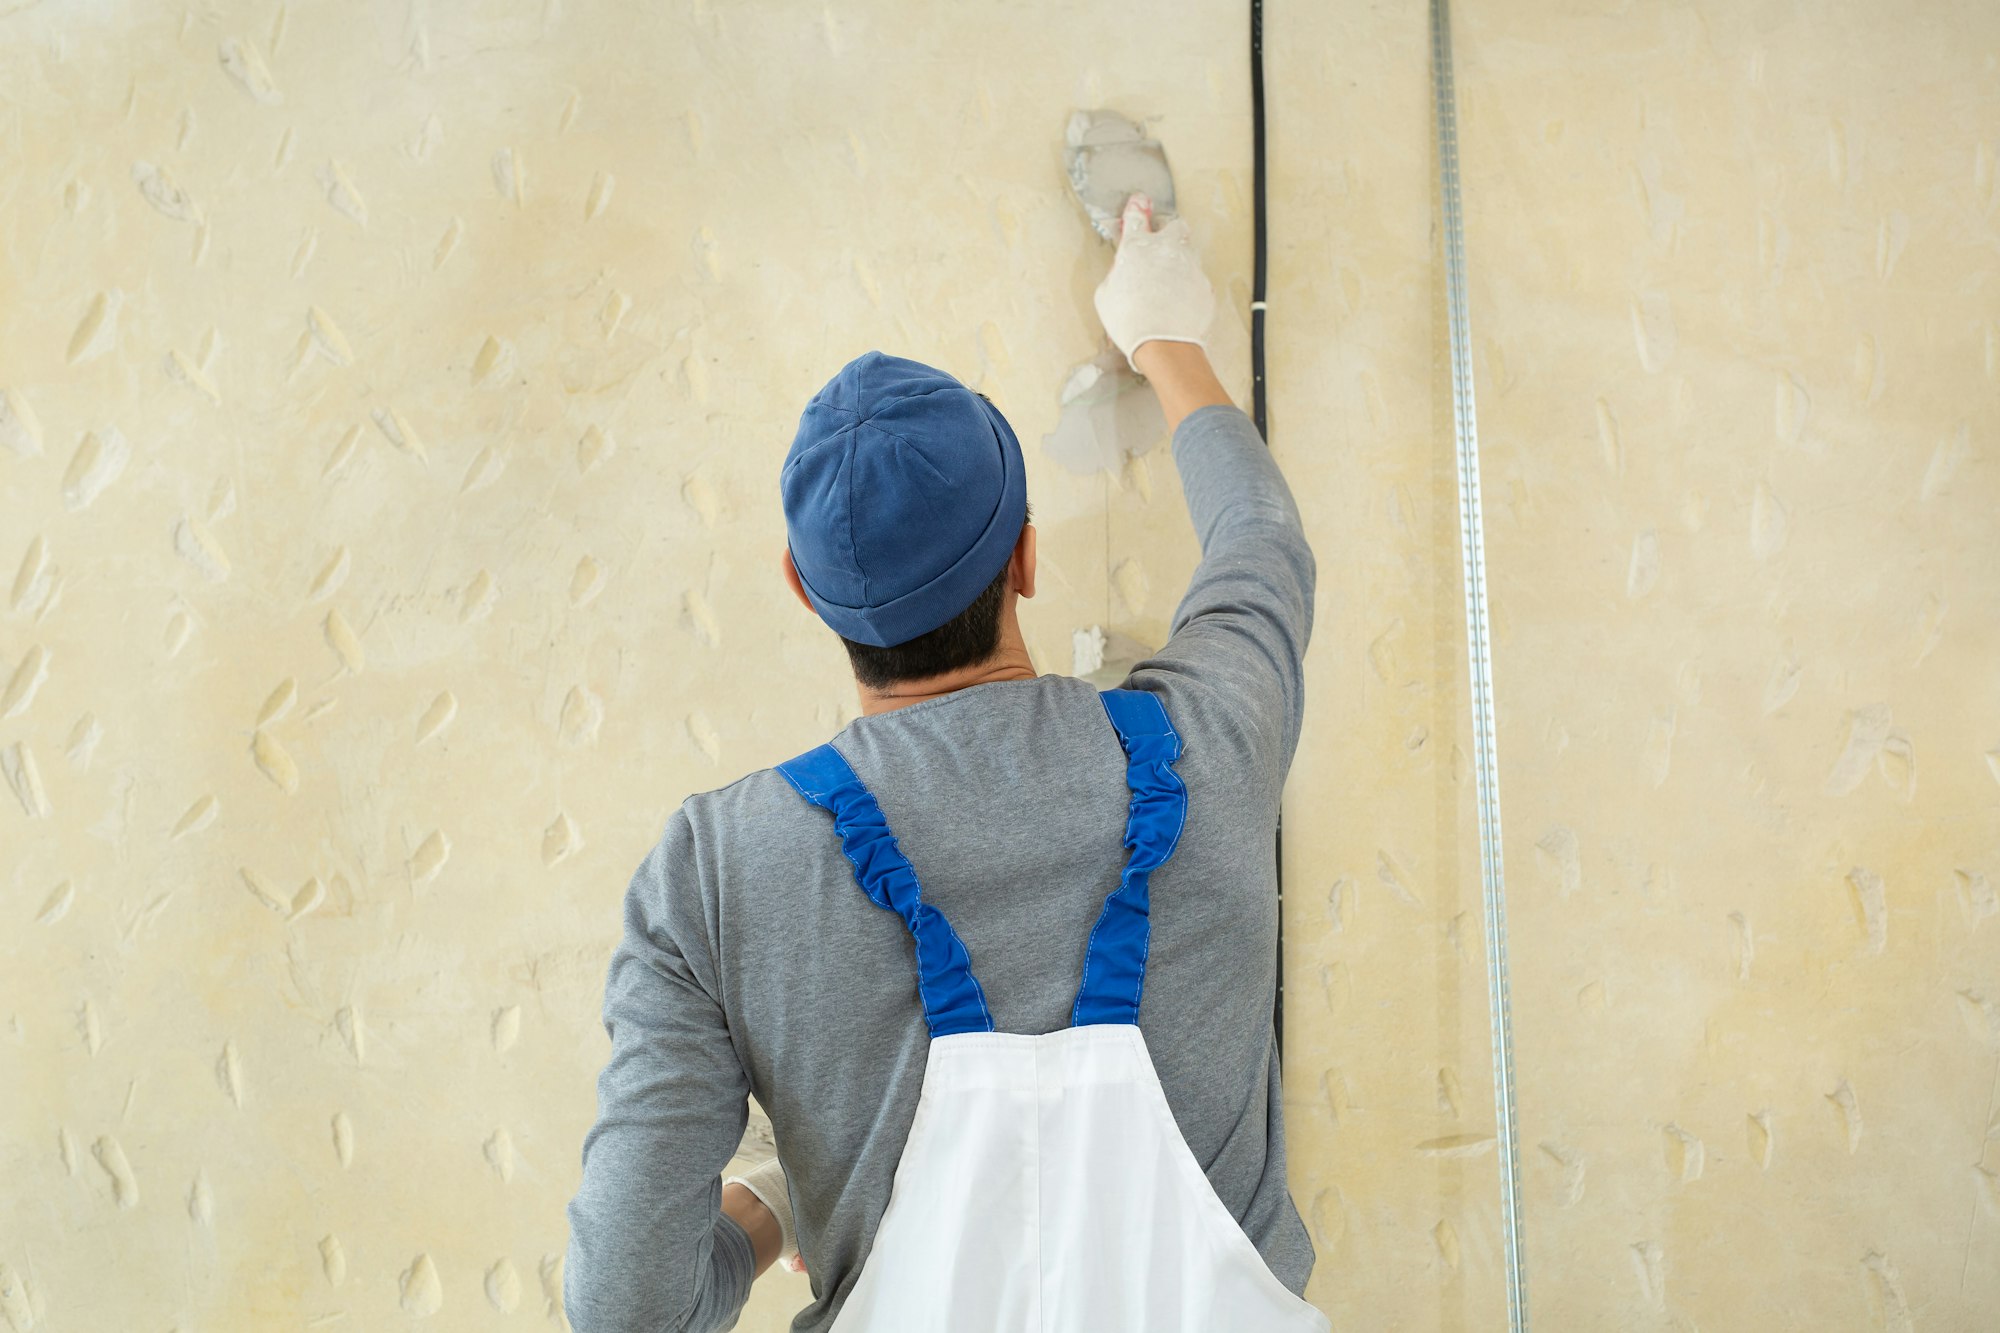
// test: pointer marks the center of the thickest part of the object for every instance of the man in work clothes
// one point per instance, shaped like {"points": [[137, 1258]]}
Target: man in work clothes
{"points": [[751, 962]]}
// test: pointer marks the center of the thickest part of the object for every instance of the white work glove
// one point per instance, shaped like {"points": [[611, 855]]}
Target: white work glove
{"points": [[766, 1180], [1156, 288]]}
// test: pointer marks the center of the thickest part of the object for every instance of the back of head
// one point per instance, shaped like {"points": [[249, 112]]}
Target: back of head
{"points": [[904, 494]]}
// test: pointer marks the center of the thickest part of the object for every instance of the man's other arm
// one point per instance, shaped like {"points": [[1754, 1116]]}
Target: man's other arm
{"points": [[651, 1246]]}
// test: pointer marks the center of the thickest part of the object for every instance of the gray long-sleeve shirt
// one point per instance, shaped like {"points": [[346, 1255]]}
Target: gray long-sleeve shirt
{"points": [[751, 961]]}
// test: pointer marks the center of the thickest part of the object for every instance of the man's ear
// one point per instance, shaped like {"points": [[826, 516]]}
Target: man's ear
{"points": [[798, 588], [1022, 562]]}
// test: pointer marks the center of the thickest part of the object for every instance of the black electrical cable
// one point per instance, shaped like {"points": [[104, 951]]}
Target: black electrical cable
{"points": [[1257, 415], [1257, 215]]}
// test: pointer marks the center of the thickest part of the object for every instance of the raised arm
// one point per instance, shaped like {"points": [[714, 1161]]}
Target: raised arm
{"points": [[1241, 629], [1181, 377], [656, 1243]]}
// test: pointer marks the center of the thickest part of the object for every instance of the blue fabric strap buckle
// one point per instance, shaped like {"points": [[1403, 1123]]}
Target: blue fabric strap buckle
{"points": [[1114, 965], [953, 1000]]}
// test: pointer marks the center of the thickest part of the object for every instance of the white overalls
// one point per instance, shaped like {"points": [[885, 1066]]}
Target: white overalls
{"points": [[1044, 1184]]}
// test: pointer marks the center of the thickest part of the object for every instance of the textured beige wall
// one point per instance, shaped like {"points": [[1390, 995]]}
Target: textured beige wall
{"points": [[394, 402], [1738, 272]]}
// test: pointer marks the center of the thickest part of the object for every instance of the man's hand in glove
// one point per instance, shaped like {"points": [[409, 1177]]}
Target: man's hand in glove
{"points": [[1156, 290], [760, 1202]]}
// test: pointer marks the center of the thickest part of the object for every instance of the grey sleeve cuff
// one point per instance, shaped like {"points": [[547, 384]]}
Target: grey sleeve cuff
{"points": [[731, 1269]]}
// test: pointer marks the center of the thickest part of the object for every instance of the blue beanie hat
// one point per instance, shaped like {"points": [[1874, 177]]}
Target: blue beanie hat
{"points": [[904, 495]]}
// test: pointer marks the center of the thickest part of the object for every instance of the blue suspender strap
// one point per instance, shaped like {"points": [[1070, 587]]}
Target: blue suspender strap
{"points": [[953, 1001], [1114, 965]]}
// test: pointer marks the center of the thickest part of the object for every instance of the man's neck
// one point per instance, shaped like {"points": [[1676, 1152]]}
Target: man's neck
{"points": [[1010, 663]]}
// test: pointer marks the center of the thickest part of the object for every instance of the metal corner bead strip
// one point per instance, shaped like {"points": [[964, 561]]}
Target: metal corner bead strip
{"points": [[1480, 661]]}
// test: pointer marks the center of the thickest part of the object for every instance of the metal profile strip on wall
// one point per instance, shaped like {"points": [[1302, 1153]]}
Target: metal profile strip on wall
{"points": [[1479, 659]]}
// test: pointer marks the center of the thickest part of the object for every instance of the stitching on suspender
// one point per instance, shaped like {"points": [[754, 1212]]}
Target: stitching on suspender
{"points": [[785, 769], [1090, 950], [985, 1010], [1146, 953]]}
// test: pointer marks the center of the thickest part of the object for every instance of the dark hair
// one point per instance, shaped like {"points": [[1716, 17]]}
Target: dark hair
{"points": [[973, 635]]}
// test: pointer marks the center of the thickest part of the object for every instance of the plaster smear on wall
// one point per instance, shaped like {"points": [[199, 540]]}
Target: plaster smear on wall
{"points": [[1110, 416], [392, 400]]}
